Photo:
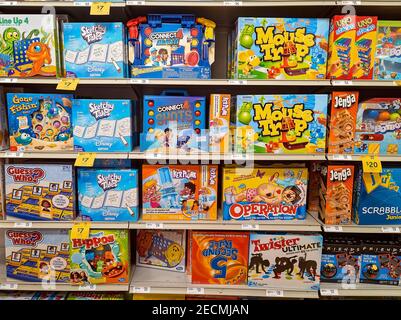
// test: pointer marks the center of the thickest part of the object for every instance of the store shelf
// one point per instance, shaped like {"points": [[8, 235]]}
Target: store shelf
{"points": [[54, 4], [7, 224], [284, 3], [358, 290], [365, 83], [357, 157], [34, 286], [59, 155], [148, 280]]}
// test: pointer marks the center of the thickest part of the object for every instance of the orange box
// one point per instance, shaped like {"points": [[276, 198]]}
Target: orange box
{"points": [[219, 257], [219, 123], [342, 125]]}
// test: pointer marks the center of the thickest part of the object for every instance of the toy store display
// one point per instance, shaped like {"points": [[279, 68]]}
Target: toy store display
{"points": [[102, 125], [288, 261], [289, 124], [171, 46], [178, 192], [219, 123], [279, 48], [264, 193], [40, 122], [161, 249], [108, 194], [95, 50], [39, 191]]}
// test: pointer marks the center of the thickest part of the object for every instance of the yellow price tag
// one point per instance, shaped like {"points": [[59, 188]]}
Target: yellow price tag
{"points": [[371, 164], [85, 159], [68, 84], [100, 9], [80, 230]]}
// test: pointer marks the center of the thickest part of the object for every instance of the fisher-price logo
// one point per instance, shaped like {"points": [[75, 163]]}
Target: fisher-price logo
{"points": [[166, 38], [93, 34], [93, 242], [274, 244], [184, 174], [346, 101], [26, 175], [238, 210], [107, 182], [24, 238], [101, 110]]}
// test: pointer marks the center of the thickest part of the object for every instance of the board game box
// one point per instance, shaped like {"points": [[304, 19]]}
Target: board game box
{"points": [[39, 122], [285, 261], [178, 192], [279, 48], [313, 192], [37, 255], [39, 191], [161, 249], [102, 125], [264, 193], [219, 123], [103, 258], [95, 296], [4, 137], [108, 194], [290, 124], [219, 257]]}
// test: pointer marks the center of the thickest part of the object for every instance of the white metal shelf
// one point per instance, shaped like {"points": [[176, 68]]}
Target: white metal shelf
{"points": [[37, 286], [9, 224], [59, 155], [54, 4], [358, 290]]}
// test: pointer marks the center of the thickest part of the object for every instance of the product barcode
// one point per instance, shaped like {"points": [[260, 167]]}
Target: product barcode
{"points": [[141, 290], [333, 228], [195, 290], [139, 81], [135, 3], [250, 227], [241, 82], [232, 3], [89, 287], [8, 80], [154, 225], [329, 292], [275, 293], [9, 286], [342, 82], [82, 4], [390, 229], [23, 225]]}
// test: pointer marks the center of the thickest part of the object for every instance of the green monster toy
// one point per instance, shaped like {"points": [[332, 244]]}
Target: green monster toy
{"points": [[245, 38]]}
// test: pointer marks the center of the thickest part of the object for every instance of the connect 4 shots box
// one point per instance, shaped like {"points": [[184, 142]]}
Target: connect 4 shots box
{"points": [[95, 50], [108, 194], [219, 123], [37, 255], [39, 191], [102, 125], [171, 46]]}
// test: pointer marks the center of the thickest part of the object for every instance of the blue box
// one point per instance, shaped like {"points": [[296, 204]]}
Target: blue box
{"points": [[102, 125], [108, 194], [95, 50]]}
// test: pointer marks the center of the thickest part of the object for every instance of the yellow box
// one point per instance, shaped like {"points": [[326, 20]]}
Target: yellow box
{"points": [[219, 123]]}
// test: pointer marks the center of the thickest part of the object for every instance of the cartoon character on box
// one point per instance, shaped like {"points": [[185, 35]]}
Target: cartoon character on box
{"points": [[281, 124], [219, 123], [33, 255], [264, 193], [179, 192], [280, 48], [219, 257], [95, 50], [287, 261], [27, 45], [171, 46], [108, 194], [39, 122], [102, 125], [161, 249], [39, 191], [102, 258], [174, 124]]}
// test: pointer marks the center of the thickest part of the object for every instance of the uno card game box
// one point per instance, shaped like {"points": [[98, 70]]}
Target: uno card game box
{"points": [[102, 125], [103, 258], [178, 192], [286, 261], [264, 193], [39, 122], [281, 124], [219, 257], [219, 123], [171, 46], [279, 48], [39, 191], [161, 249], [95, 50], [108, 194], [37, 255]]}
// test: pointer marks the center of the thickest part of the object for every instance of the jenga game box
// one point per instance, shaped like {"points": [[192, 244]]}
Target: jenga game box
{"points": [[335, 191], [313, 193], [342, 125]]}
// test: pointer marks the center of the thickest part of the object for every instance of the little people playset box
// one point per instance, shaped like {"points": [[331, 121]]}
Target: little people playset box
{"points": [[178, 192], [102, 125], [108, 194], [95, 50], [219, 123], [37, 255], [264, 193], [39, 191], [290, 124], [171, 46], [161, 249], [279, 48], [103, 258], [287, 261], [39, 122], [219, 257]]}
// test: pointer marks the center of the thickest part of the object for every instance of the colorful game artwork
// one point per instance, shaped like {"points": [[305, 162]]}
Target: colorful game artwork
{"points": [[37, 255], [178, 192], [161, 249], [279, 48], [102, 258], [39, 122], [290, 124], [264, 193], [219, 257]]}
